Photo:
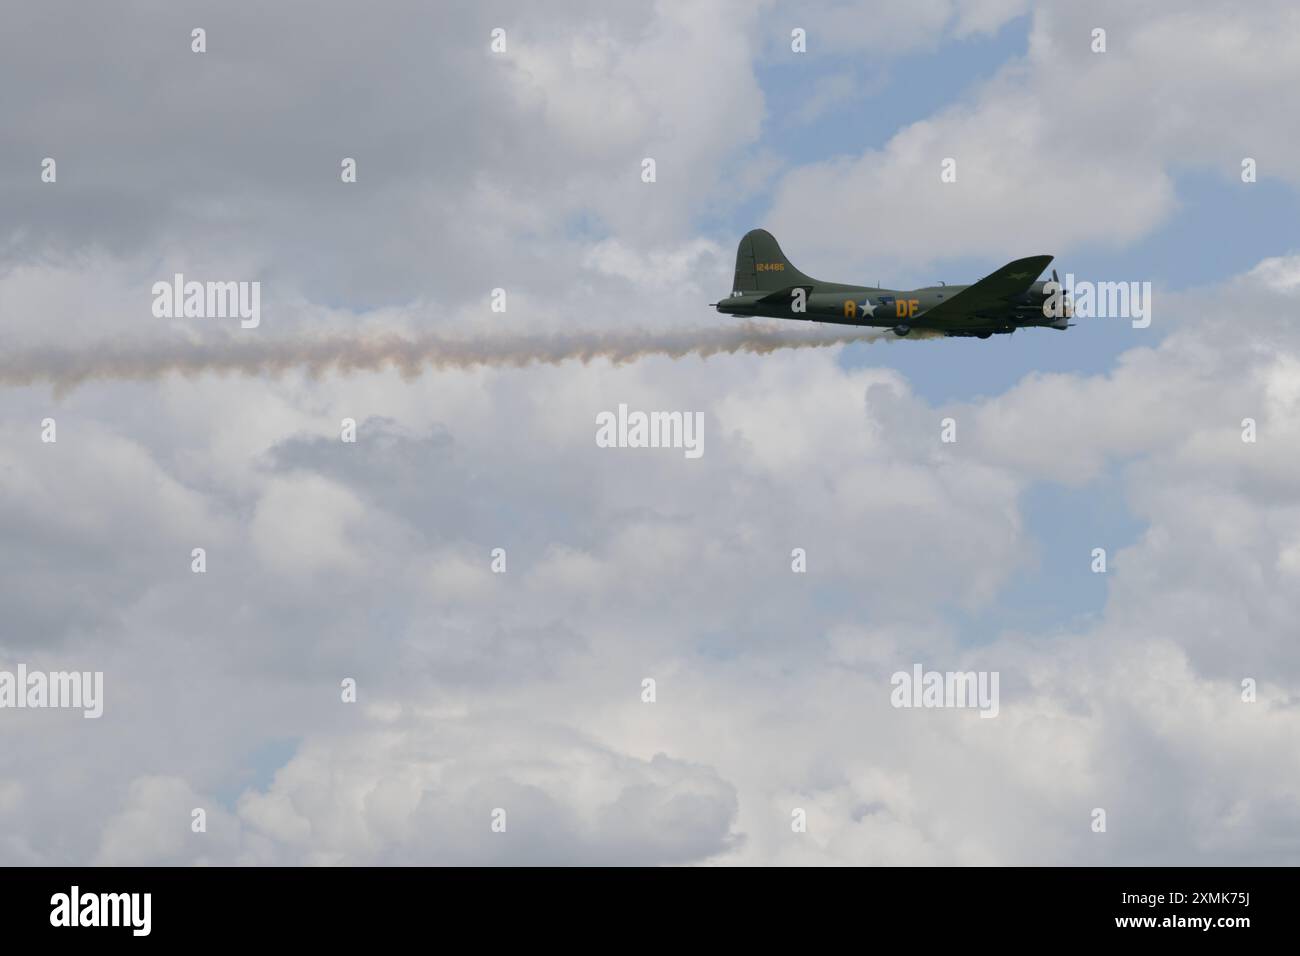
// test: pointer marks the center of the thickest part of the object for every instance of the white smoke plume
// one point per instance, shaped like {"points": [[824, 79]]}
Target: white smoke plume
{"points": [[411, 356]]}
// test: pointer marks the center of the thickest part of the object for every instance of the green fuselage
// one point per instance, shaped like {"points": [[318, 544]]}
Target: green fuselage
{"points": [[892, 308]]}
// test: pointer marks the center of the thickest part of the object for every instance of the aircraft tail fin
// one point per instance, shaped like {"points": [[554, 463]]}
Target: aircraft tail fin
{"points": [[761, 266]]}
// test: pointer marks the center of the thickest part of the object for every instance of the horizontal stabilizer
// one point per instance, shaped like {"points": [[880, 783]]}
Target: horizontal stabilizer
{"points": [[781, 296]]}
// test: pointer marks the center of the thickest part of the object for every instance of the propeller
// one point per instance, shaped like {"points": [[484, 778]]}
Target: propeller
{"points": [[1067, 308]]}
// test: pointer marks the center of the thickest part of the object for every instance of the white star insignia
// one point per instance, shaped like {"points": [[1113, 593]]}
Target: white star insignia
{"points": [[866, 307]]}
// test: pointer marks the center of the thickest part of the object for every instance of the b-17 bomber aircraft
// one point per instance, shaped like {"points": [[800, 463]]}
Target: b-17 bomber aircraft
{"points": [[767, 284]]}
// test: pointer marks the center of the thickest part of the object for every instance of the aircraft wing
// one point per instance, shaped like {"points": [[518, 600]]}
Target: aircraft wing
{"points": [[993, 291]]}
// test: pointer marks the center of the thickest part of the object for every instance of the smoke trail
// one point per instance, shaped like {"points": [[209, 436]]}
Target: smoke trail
{"points": [[68, 368]]}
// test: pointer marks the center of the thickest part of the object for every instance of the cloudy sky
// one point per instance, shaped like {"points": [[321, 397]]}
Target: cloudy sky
{"points": [[522, 690]]}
